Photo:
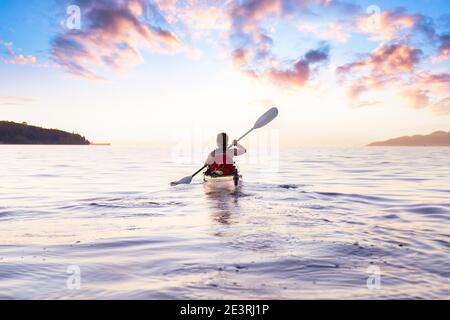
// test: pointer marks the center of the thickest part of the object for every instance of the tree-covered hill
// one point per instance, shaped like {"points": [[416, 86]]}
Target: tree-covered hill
{"points": [[21, 133]]}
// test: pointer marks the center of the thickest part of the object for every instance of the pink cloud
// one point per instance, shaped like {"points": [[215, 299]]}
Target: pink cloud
{"points": [[252, 45], [394, 58], [300, 72], [387, 25], [399, 26], [443, 52], [437, 88], [200, 18], [386, 59], [387, 64], [442, 106], [416, 98], [327, 31], [116, 32], [240, 56], [114, 36], [20, 59], [12, 57], [426, 89], [395, 66]]}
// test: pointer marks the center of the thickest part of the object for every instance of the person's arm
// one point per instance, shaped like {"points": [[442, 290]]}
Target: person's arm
{"points": [[238, 149], [209, 159]]}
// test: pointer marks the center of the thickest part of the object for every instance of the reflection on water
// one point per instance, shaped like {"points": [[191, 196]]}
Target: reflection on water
{"points": [[310, 230], [223, 205]]}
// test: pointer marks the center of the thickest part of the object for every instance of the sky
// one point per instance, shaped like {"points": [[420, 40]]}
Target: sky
{"points": [[341, 72]]}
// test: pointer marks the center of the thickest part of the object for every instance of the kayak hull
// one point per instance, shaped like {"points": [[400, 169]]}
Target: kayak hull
{"points": [[227, 183]]}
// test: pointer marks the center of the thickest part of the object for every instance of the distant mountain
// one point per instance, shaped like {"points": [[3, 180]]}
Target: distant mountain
{"points": [[22, 133], [435, 139]]}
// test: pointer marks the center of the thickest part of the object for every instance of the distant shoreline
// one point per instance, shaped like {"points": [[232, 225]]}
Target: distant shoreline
{"points": [[435, 139], [414, 146], [12, 133]]}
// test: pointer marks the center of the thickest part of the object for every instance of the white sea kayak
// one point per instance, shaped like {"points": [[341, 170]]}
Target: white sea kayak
{"points": [[231, 182]]}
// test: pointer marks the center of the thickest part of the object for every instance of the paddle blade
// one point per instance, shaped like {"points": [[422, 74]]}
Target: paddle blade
{"points": [[185, 180], [266, 118]]}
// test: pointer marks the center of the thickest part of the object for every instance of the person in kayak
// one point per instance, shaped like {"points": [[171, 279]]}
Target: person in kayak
{"points": [[220, 161]]}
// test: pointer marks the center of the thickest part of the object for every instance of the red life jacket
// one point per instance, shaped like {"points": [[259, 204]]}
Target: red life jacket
{"points": [[226, 168]]}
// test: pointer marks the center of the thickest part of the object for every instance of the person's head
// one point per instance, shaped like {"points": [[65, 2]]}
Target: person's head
{"points": [[222, 140]]}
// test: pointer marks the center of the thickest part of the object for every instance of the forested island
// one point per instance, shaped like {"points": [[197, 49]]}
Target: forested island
{"points": [[22, 133]]}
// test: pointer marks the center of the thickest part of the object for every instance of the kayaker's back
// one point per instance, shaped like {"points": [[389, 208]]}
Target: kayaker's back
{"points": [[220, 161], [217, 156]]}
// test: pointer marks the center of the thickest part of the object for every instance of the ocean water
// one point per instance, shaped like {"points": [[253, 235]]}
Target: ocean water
{"points": [[80, 222]]}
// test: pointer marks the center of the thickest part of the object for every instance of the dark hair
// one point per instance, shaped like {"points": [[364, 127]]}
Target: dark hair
{"points": [[222, 140]]}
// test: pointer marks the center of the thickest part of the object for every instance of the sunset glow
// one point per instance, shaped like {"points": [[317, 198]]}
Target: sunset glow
{"points": [[344, 73]]}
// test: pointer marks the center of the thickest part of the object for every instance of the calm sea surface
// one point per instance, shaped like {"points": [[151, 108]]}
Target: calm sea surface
{"points": [[325, 223]]}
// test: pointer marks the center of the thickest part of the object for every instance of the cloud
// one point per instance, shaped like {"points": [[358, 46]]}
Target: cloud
{"points": [[200, 18], [388, 64], [20, 59], [426, 90], [10, 56], [252, 45], [15, 100], [386, 59], [442, 106], [115, 32], [300, 72], [396, 64], [194, 18], [389, 25], [364, 103], [358, 86], [396, 67], [443, 51], [436, 84], [416, 98], [444, 46], [265, 102], [397, 25], [113, 35], [328, 31]]}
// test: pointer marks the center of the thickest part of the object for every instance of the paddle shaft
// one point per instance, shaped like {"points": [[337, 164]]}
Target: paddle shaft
{"points": [[244, 135], [198, 171]]}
